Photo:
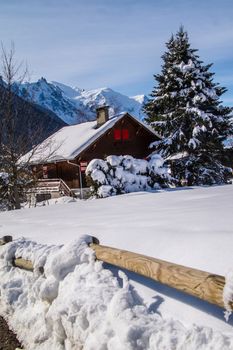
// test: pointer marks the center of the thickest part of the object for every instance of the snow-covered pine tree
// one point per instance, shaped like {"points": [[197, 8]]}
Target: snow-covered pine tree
{"points": [[185, 109]]}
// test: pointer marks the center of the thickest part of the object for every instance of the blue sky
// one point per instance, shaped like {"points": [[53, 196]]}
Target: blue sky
{"points": [[115, 43]]}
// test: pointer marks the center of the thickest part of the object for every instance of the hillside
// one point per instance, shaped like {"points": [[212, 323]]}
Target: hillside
{"points": [[32, 121]]}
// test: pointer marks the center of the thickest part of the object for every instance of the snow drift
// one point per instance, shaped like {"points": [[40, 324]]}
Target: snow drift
{"points": [[77, 304]]}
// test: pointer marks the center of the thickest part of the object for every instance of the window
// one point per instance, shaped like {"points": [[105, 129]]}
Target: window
{"points": [[121, 134], [117, 134], [125, 134]]}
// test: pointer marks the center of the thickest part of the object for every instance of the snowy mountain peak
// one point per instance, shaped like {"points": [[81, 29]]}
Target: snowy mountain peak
{"points": [[69, 91], [75, 105], [140, 98]]}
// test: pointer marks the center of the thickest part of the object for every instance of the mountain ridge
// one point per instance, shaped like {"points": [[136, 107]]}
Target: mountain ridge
{"points": [[75, 105]]}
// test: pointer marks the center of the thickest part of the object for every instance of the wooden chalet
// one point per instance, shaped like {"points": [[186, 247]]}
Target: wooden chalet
{"points": [[66, 154]]}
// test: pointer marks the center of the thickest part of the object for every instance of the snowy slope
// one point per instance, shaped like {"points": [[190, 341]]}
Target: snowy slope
{"points": [[68, 91], [197, 223], [75, 105], [188, 226]]}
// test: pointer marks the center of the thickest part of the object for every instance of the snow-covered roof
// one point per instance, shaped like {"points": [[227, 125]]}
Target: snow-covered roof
{"points": [[70, 141]]}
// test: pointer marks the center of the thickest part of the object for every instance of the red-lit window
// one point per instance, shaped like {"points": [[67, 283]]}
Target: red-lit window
{"points": [[121, 134], [117, 134], [125, 134]]}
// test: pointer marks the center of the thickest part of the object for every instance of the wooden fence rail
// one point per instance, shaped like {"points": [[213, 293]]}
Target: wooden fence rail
{"points": [[201, 284]]}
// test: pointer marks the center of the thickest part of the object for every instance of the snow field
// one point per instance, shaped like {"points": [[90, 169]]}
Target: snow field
{"points": [[78, 304], [188, 226]]}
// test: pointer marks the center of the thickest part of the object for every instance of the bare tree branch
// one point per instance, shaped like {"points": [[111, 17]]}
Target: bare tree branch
{"points": [[17, 133]]}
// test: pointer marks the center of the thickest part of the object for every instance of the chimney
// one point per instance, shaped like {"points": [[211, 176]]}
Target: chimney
{"points": [[102, 115]]}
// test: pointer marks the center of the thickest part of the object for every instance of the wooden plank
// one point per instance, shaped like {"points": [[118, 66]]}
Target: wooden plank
{"points": [[5, 239], [201, 284]]}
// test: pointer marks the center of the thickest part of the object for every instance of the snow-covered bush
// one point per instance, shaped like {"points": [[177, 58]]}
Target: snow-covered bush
{"points": [[124, 174]]}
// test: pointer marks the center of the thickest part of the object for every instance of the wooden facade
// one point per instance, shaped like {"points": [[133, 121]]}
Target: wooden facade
{"points": [[126, 137]]}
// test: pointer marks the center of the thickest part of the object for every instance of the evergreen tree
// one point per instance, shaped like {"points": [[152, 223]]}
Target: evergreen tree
{"points": [[186, 111]]}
